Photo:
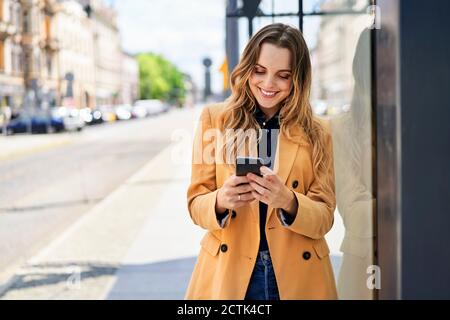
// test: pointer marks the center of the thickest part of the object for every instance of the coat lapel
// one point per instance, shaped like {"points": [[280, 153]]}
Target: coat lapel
{"points": [[285, 156]]}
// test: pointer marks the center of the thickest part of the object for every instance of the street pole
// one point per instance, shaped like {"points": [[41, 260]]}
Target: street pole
{"points": [[300, 15], [250, 10], [207, 91], [231, 38]]}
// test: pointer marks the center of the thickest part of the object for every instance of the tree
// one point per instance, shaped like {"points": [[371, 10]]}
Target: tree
{"points": [[160, 79]]}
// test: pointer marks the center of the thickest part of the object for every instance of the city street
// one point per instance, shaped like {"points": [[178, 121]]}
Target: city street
{"points": [[42, 193]]}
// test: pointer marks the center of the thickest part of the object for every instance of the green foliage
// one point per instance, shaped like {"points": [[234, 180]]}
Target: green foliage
{"points": [[160, 79]]}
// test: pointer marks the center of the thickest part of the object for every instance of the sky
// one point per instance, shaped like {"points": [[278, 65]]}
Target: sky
{"points": [[182, 32], [186, 31]]}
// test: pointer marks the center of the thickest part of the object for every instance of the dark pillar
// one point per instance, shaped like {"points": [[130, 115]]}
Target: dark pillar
{"points": [[413, 99]]}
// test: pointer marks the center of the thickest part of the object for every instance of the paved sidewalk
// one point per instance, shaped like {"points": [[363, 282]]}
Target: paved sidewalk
{"points": [[161, 259]]}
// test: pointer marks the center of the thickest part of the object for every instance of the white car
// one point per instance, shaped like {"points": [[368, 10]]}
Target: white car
{"points": [[123, 112], [71, 118], [139, 111], [152, 106], [319, 107]]}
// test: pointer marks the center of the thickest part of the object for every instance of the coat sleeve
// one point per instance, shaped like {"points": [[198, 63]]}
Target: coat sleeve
{"points": [[315, 214], [202, 191]]}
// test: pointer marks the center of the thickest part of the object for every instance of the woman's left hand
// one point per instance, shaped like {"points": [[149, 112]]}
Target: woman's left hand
{"points": [[270, 190]]}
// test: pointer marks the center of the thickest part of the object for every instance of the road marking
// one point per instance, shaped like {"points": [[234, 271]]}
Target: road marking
{"points": [[35, 149]]}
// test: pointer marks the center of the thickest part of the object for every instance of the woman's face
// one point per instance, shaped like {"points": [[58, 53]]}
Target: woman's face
{"points": [[271, 79]]}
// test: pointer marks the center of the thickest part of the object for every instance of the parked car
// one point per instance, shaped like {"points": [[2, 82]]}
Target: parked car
{"points": [[108, 113], [71, 118], [86, 115], [138, 111], [92, 116], [152, 106], [123, 112], [35, 123], [319, 107]]}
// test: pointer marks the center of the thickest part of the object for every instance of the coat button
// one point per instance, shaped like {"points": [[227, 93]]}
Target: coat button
{"points": [[295, 184], [306, 255], [233, 214], [224, 248]]}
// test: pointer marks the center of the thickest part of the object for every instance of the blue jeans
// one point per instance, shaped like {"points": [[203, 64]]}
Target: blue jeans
{"points": [[263, 285]]}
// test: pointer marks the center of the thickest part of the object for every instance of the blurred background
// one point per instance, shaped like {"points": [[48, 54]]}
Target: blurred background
{"points": [[98, 104]]}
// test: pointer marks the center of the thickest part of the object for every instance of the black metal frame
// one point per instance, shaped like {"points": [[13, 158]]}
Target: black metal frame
{"points": [[300, 15]]}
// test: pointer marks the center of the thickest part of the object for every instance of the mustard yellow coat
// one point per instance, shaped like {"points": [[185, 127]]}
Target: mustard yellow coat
{"points": [[300, 254]]}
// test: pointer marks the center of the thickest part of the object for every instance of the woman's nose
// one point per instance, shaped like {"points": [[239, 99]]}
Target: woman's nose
{"points": [[269, 82]]}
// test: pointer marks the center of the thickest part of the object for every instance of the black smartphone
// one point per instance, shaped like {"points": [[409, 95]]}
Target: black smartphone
{"points": [[245, 165]]}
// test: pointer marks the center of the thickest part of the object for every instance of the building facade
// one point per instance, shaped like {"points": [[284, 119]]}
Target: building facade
{"points": [[76, 66], [63, 52], [49, 49], [12, 87], [39, 53], [130, 79], [107, 52]]}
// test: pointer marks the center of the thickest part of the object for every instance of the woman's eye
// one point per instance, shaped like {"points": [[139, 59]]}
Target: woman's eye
{"points": [[285, 76], [259, 72]]}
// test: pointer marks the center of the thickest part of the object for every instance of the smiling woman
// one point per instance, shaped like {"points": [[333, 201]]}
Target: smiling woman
{"points": [[265, 237], [271, 81]]}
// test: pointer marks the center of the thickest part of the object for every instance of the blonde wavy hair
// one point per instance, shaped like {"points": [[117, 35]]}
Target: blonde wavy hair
{"points": [[295, 108]]}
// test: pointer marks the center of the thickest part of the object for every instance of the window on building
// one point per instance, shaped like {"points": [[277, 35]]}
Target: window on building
{"points": [[1, 10], [37, 60], [26, 22], [2, 55], [49, 64], [12, 12], [18, 17]]}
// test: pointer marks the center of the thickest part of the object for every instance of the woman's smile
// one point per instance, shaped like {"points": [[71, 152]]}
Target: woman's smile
{"points": [[271, 80], [268, 94]]}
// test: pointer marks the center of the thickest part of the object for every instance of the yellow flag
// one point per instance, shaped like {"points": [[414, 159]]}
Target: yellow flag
{"points": [[224, 70]]}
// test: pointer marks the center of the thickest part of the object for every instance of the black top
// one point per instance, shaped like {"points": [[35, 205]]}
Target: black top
{"points": [[267, 147]]}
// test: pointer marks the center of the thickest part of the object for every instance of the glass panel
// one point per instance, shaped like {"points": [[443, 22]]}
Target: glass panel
{"points": [[260, 22], [333, 5], [341, 93], [277, 7]]}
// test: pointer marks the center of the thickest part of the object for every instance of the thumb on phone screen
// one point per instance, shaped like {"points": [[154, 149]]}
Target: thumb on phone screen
{"points": [[265, 171]]}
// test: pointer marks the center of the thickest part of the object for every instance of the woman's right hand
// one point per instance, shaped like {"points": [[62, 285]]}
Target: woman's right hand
{"points": [[235, 193]]}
